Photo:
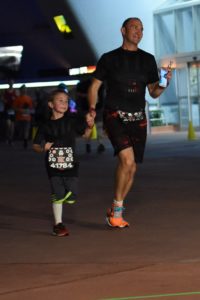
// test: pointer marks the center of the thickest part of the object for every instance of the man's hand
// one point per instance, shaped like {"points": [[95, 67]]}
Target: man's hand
{"points": [[155, 90], [92, 112], [169, 74], [90, 119]]}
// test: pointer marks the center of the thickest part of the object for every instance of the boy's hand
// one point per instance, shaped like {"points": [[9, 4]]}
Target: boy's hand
{"points": [[90, 120], [47, 146]]}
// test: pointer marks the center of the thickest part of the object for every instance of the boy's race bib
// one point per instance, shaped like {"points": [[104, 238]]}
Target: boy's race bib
{"points": [[61, 158]]}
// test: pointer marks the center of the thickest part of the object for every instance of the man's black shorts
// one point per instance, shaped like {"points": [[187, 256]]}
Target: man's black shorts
{"points": [[126, 134]]}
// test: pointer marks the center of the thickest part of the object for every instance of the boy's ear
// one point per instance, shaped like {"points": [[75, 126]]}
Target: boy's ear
{"points": [[50, 104]]}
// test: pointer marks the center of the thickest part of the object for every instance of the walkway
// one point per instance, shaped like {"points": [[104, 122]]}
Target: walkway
{"points": [[158, 257]]}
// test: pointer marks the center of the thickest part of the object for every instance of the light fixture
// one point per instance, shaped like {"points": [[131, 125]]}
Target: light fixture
{"points": [[82, 70], [40, 84], [62, 24]]}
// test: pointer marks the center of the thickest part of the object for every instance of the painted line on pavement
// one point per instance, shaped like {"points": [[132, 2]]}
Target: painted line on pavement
{"points": [[156, 296]]}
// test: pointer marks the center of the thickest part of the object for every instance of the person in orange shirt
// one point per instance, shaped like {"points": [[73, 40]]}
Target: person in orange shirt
{"points": [[23, 106], [9, 97]]}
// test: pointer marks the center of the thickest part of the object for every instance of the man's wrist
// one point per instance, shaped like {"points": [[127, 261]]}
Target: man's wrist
{"points": [[163, 87]]}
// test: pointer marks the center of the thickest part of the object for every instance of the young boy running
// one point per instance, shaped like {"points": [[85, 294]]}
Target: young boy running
{"points": [[57, 137]]}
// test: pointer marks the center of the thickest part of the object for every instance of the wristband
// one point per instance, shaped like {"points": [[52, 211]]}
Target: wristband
{"points": [[91, 109]]}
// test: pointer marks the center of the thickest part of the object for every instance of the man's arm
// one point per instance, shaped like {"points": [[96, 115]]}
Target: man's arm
{"points": [[155, 90], [93, 93]]}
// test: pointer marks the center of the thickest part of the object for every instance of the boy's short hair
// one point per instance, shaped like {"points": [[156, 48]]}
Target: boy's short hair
{"points": [[62, 86], [55, 92]]}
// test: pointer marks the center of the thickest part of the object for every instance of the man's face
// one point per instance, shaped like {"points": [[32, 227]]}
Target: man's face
{"points": [[133, 31]]}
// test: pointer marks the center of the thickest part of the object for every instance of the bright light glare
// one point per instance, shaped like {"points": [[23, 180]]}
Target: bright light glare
{"points": [[40, 84], [11, 51], [82, 70]]}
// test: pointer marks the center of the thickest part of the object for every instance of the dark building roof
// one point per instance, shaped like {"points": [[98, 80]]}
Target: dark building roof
{"points": [[47, 52]]}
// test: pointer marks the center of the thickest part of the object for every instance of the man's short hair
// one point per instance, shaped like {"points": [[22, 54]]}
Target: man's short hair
{"points": [[127, 20]]}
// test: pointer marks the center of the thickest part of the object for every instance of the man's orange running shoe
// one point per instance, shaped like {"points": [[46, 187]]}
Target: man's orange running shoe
{"points": [[115, 222]]}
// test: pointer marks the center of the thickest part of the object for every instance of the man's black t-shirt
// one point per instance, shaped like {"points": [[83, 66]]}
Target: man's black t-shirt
{"points": [[126, 73], [62, 133]]}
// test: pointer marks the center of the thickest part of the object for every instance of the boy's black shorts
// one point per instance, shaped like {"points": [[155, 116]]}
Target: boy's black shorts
{"points": [[126, 134], [61, 186]]}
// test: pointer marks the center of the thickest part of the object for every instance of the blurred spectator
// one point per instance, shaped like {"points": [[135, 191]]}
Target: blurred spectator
{"points": [[2, 117], [23, 106], [9, 98]]}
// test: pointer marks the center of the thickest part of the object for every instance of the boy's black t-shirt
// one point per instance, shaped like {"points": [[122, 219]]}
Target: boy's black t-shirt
{"points": [[62, 133], [126, 74]]}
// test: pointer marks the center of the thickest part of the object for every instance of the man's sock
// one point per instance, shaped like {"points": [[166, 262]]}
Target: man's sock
{"points": [[118, 208], [57, 212]]}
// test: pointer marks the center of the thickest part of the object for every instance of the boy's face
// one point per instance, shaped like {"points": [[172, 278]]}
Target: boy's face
{"points": [[59, 103]]}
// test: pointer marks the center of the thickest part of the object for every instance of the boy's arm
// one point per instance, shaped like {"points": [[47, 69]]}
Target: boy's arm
{"points": [[39, 149], [39, 143]]}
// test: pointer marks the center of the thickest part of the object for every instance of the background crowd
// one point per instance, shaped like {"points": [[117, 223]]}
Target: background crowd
{"points": [[22, 110]]}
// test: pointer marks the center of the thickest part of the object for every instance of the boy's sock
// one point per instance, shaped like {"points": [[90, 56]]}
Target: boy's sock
{"points": [[57, 212], [118, 208]]}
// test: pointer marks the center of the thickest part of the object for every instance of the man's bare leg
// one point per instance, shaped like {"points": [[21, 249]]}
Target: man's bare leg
{"points": [[125, 172], [124, 179]]}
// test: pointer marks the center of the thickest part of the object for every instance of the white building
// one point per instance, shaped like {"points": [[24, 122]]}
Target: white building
{"points": [[177, 39]]}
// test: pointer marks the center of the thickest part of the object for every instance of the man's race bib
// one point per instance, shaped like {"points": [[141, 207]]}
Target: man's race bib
{"points": [[130, 117], [61, 158]]}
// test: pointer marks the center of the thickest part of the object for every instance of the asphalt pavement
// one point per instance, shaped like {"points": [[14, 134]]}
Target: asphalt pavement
{"points": [[158, 257]]}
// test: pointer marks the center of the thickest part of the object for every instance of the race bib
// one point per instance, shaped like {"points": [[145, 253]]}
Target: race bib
{"points": [[61, 158], [130, 117]]}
